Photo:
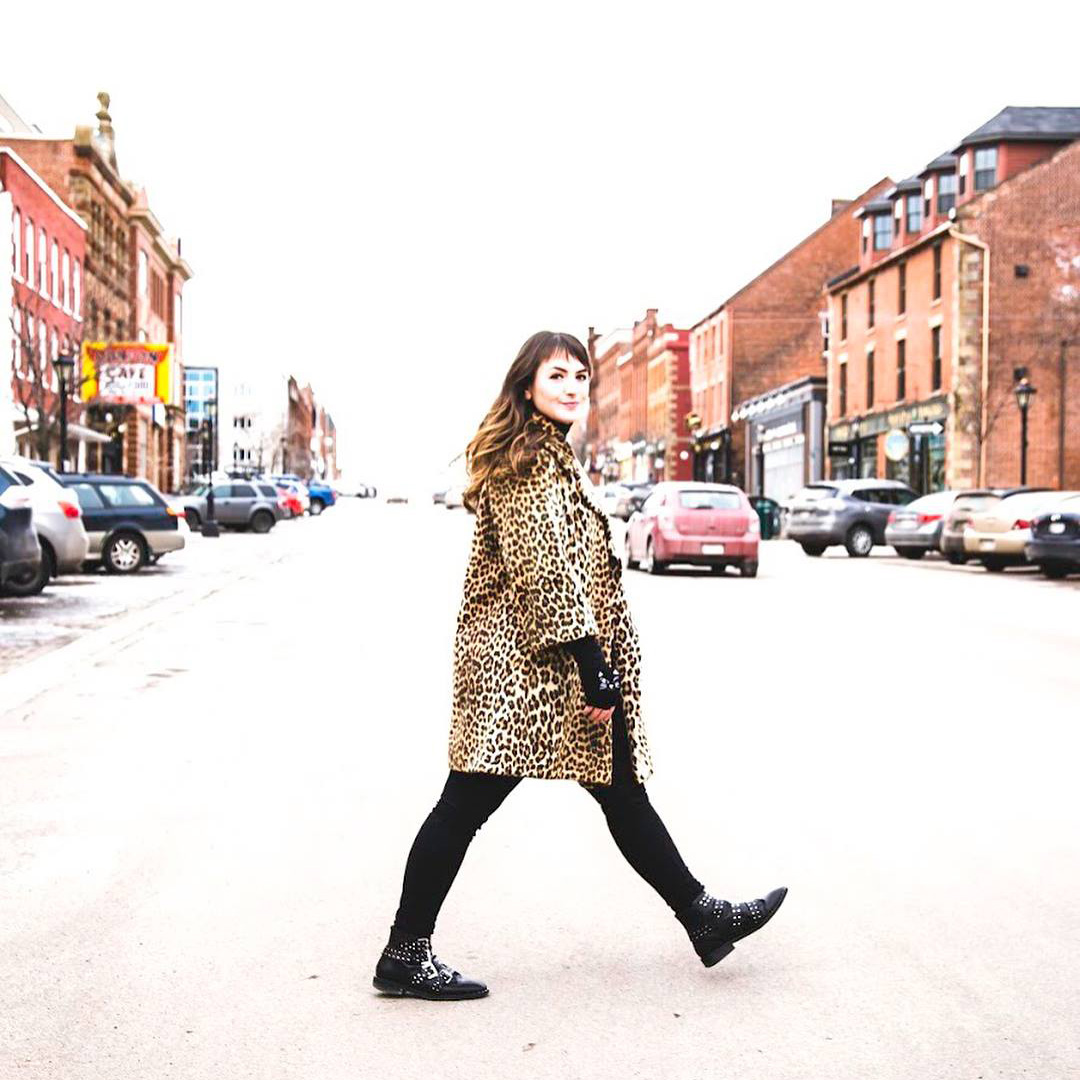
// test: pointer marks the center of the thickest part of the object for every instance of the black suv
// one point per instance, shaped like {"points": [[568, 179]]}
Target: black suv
{"points": [[128, 520]]}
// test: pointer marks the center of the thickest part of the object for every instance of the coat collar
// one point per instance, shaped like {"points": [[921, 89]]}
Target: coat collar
{"points": [[554, 438]]}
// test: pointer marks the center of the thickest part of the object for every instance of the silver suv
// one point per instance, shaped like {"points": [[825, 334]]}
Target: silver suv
{"points": [[849, 512], [241, 504]]}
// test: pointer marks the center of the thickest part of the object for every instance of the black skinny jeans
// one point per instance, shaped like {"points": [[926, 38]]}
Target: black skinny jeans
{"points": [[469, 799]]}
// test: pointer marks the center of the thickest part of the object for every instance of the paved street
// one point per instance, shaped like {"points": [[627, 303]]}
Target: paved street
{"points": [[207, 802]]}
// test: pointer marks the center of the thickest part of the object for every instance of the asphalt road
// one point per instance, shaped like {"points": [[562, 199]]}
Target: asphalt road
{"points": [[207, 802]]}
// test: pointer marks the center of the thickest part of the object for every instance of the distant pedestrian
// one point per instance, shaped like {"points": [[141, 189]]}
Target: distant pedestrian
{"points": [[546, 674]]}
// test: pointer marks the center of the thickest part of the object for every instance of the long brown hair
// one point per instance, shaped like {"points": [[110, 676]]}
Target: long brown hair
{"points": [[506, 442]]}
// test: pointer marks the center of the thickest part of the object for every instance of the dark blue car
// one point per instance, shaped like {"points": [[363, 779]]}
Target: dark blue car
{"points": [[127, 519]]}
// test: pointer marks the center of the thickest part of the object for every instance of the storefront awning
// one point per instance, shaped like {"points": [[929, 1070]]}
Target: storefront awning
{"points": [[75, 431]]}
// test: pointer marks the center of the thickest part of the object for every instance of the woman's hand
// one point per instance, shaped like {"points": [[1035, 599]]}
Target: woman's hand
{"points": [[601, 716]]}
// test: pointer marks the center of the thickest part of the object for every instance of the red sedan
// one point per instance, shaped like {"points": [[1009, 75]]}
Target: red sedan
{"points": [[702, 524]]}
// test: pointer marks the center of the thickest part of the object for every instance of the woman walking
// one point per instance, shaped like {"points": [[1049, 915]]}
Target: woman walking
{"points": [[546, 674]]}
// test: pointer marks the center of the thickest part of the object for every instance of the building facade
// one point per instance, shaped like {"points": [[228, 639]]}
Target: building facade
{"points": [[965, 279], [764, 337], [83, 171], [41, 304]]}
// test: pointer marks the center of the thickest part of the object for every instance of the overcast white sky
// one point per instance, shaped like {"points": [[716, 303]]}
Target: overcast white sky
{"points": [[388, 200]]}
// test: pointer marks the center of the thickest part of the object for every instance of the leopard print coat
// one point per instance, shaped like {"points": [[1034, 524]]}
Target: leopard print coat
{"points": [[543, 570]]}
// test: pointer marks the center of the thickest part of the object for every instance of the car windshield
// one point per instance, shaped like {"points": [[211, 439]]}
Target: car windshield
{"points": [[1029, 502], [709, 500], [975, 502], [937, 503]]}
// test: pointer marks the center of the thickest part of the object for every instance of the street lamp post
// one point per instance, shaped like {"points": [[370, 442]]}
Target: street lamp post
{"points": [[761, 460], [210, 527], [1023, 391], [65, 368]]}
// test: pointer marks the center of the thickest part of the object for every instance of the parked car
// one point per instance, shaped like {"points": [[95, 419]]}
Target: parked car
{"points": [[1055, 539], [849, 512], [966, 506], [322, 496], [915, 529], [247, 504], [57, 522], [631, 499], [290, 501], [702, 524], [297, 498], [439, 496], [610, 495], [453, 497], [998, 534], [129, 522], [20, 551]]}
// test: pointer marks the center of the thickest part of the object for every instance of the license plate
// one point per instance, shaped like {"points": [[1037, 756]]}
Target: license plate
{"points": [[1057, 526], [712, 549], [908, 523], [986, 545]]}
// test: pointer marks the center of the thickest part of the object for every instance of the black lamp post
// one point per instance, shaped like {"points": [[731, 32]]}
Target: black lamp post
{"points": [[761, 460], [1023, 391], [65, 369], [210, 527]]}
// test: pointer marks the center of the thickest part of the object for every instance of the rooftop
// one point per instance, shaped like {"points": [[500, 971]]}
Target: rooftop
{"points": [[1035, 123]]}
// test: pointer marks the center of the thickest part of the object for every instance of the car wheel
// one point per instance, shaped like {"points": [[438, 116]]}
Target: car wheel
{"points": [[1054, 571], [813, 549], [630, 564], [262, 521], [193, 519], [29, 583], [718, 568], [316, 507], [995, 566], [910, 553], [859, 541], [651, 564], [124, 553], [956, 558], [748, 568]]}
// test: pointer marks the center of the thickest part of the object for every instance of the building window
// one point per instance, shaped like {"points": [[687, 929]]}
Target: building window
{"points": [[870, 302], [16, 235], [143, 273], [946, 192], [76, 290], [985, 168], [54, 269], [962, 170], [882, 232], [901, 299], [869, 378], [901, 369], [937, 272], [843, 389], [865, 233], [43, 266], [914, 213], [843, 317], [65, 279], [29, 252], [935, 375]]}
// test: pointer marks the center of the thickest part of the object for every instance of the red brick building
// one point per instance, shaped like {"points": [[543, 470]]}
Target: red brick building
{"points": [[83, 171], [761, 339], [42, 310], [961, 276], [640, 393]]}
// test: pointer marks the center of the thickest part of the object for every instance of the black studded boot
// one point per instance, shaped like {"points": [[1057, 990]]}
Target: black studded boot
{"points": [[715, 925], [408, 968]]}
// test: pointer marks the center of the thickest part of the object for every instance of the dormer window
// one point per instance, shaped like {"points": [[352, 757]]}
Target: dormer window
{"points": [[946, 196], [962, 171], [882, 232], [914, 212], [985, 168]]}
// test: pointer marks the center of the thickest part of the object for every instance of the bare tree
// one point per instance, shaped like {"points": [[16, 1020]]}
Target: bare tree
{"points": [[35, 379]]}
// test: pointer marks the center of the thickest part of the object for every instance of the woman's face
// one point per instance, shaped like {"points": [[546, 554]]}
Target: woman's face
{"points": [[560, 388]]}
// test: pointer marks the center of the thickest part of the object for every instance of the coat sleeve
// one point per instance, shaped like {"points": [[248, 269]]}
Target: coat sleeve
{"points": [[532, 516]]}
